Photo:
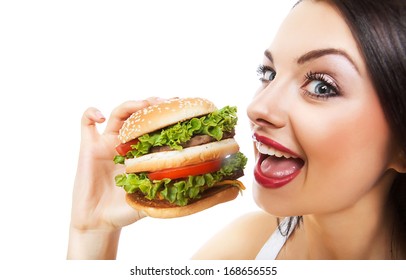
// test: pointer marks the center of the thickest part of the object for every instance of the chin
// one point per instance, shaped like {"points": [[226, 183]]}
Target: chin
{"points": [[273, 201]]}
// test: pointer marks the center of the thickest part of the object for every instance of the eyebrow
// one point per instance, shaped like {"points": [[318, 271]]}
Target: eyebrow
{"points": [[268, 55], [314, 54]]}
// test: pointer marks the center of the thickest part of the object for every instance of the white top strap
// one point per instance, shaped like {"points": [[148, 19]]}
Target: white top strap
{"points": [[274, 244]]}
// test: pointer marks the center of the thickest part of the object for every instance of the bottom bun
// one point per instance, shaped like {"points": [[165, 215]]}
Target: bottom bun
{"points": [[164, 210]]}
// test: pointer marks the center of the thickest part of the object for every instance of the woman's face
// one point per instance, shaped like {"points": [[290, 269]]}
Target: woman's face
{"points": [[323, 141]]}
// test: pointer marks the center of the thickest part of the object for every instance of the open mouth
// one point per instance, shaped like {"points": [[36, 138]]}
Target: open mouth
{"points": [[275, 168]]}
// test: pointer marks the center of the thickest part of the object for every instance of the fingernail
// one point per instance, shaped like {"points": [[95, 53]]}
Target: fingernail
{"points": [[99, 115], [155, 100]]}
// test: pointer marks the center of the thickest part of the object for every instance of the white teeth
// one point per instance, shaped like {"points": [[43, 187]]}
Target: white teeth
{"points": [[263, 149]]}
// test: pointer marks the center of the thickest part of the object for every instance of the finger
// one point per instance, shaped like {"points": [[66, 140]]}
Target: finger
{"points": [[125, 110], [90, 117], [155, 100], [126, 215]]}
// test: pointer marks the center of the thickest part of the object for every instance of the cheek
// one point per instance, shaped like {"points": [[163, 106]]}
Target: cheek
{"points": [[347, 149]]}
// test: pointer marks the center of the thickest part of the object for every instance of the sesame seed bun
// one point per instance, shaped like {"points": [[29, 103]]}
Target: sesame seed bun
{"points": [[163, 114], [164, 210]]}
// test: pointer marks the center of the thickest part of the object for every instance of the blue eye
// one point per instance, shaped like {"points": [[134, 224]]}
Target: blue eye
{"points": [[266, 73], [320, 86]]}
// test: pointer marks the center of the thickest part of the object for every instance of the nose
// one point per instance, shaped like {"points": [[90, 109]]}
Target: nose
{"points": [[269, 107]]}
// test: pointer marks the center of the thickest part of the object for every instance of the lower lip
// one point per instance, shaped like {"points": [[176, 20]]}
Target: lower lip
{"points": [[271, 182]]}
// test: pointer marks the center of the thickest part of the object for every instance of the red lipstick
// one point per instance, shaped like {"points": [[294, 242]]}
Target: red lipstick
{"points": [[273, 144], [272, 171]]}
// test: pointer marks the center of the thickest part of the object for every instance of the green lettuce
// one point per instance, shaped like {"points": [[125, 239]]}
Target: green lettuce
{"points": [[179, 191], [213, 124]]}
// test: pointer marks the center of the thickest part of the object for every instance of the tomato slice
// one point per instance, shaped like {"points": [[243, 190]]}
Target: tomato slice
{"points": [[124, 148], [184, 171]]}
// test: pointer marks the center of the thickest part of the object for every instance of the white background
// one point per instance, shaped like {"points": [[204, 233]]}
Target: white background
{"points": [[59, 57]]}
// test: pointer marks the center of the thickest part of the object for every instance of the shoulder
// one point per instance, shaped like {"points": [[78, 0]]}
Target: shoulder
{"points": [[242, 239]]}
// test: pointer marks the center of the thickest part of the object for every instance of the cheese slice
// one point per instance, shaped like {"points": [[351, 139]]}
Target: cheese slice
{"points": [[231, 182]]}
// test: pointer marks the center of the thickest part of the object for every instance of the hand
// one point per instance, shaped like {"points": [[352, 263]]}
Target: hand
{"points": [[98, 206], [97, 202]]}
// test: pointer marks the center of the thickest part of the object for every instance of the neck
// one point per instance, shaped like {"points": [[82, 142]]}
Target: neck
{"points": [[361, 231], [367, 238]]}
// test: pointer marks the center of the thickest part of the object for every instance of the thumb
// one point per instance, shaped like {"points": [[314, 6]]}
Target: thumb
{"points": [[126, 215]]}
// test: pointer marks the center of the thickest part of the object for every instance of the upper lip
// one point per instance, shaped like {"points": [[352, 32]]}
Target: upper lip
{"points": [[280, 149]]}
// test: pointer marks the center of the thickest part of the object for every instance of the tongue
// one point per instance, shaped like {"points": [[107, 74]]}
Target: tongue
{"points": [[275, 167]]}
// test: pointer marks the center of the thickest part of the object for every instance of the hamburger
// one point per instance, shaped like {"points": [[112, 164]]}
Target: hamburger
{"points": [[180, 157]]}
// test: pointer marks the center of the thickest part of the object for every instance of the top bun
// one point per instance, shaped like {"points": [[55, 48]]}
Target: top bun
{"points": [[163, 114]]}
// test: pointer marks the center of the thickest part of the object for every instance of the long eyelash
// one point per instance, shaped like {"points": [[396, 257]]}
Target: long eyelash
{"points": [[312, 76], [262, 69]]}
